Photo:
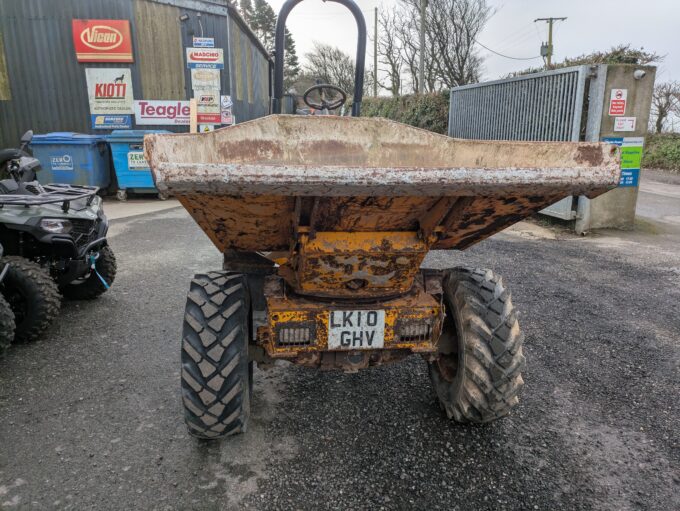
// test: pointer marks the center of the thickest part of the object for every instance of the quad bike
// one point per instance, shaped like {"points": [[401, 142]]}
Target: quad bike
{"points": [[324, 222], [54, 239], [7, 324]]}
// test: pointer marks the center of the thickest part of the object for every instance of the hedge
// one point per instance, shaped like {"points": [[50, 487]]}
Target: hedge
{"points": [[662, 151], [427, 111]]}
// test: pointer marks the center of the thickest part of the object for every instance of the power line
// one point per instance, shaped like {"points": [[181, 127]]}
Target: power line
{"points": [[518, 35], [505, 56]]}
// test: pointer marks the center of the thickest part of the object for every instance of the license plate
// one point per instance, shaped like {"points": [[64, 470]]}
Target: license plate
{"points": [[356, 330]]}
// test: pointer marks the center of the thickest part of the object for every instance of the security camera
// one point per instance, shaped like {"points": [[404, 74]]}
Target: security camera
{"points": [[639, 74]]}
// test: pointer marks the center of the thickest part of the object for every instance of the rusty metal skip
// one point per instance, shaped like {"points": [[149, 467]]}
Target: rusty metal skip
{"points": [[324, 222]]}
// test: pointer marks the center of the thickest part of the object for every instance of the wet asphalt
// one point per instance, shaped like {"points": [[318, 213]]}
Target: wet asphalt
{"points": [[90, 417]]}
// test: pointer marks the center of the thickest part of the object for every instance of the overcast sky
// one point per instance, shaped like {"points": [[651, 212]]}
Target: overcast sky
{"points": [[591, 25]]}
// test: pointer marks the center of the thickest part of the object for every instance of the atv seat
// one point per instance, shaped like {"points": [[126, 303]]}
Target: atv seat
{"points": [[8, 186], [9, 154]]}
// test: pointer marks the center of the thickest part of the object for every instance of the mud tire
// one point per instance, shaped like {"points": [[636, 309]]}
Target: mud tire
{"points": [[479, 380], [32, 295], [216, 374], [91, 287], [6, 325]]}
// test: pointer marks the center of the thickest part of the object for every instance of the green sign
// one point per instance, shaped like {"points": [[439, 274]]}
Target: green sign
{"points": [[631, 156]]}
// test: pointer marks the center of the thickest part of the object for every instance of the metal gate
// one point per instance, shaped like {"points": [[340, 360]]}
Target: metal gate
{"points": [[553, 105]]}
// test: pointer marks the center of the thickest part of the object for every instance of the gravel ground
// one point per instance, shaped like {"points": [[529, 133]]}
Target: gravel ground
{"points": [[91, 416]]}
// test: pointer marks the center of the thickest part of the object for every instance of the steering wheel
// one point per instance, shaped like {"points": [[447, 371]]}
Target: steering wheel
{"points": [[325, 105]]}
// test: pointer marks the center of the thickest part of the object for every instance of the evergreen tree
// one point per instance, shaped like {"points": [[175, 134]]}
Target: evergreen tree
{"points": [[292, 63], [264, 23], [246, 8]]}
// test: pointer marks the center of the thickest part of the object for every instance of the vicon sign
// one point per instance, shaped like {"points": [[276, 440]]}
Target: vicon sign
{"points": [[102, 40]]}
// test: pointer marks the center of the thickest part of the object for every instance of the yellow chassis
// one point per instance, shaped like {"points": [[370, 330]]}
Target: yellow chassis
{"points": [[412, 325]]}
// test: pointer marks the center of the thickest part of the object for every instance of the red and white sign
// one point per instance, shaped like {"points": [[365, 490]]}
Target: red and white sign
{"points": [[206, 58], [617, 101], [208, 108], [159, 113], [102, 40]]}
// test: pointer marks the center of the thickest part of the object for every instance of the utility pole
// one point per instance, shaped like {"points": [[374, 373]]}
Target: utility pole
{"points": [[421, 69], [547, 51], [375, 53]]}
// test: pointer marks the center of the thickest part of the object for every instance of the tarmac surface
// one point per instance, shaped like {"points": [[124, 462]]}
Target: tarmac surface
{"points": [[90, 417]]}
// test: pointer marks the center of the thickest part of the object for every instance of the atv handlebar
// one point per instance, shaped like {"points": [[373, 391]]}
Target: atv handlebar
{"points": [[280, 54]]}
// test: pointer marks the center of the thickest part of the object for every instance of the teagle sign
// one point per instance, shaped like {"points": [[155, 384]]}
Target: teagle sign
{"points": [[158, 112], [102, 40]]}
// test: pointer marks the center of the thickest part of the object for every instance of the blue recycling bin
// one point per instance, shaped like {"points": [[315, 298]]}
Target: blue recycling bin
{"points": [[132, 170], [72, 158]]}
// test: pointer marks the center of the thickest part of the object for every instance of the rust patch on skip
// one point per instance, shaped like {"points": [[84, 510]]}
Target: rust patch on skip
{"points": [[250, 150], [243, 223], [482, 217], [590, 155], [357, 264]]}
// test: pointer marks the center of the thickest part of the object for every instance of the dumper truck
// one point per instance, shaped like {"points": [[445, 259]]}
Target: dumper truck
{"points": [[323, 222]]}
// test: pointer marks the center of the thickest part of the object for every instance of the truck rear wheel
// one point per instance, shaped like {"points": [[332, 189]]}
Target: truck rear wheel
{"points": [[215, 370], [32, 295], [6, 325], [478, 373]]}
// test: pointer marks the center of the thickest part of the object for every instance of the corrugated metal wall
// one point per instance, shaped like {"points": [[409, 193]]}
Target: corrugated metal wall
{"points": [[48, 87], [160, 50], [249, 71]]}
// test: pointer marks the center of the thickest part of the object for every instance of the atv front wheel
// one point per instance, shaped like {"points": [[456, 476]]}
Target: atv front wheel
{"points": [[6, 325], [478, 373], [32, 295], [215, 370], [91, 286]]}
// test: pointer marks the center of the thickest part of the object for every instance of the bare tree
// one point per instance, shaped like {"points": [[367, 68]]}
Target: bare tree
{"points": [[452, 27], [665, 103], [451, 56], [406, 30], [331, 65], [390, 51]]}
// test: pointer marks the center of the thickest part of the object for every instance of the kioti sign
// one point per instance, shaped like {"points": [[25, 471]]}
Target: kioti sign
{"points": [[102, 40], [110, 93]]}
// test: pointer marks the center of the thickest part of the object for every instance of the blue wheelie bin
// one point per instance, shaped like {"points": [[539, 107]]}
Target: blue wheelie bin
{"points": [[132, 170], [72, 158]]}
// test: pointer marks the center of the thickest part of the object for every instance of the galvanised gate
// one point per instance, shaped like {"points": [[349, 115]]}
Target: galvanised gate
{"points": [[561, 105]]}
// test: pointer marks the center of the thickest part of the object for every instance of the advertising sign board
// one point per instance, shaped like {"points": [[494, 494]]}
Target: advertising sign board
{"points": [[161, 112], [205, 58], [109, 91], [102, 40]]}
